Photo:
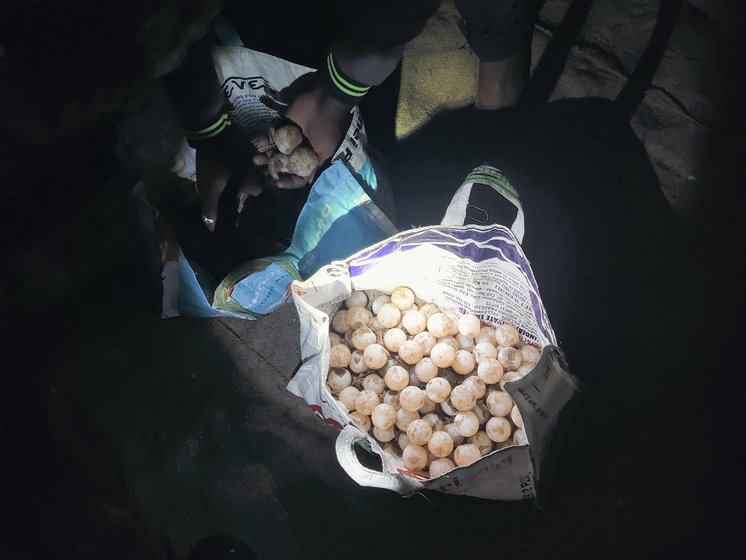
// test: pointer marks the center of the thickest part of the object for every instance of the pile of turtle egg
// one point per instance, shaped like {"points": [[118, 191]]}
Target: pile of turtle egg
{"points": [[425, 383]]}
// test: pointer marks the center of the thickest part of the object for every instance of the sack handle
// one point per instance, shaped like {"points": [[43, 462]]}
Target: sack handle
{"points": [[486, 175], [345, 446]]}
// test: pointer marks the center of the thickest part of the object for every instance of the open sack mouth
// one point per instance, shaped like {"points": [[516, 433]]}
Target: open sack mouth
{"points": [[432, 349]]}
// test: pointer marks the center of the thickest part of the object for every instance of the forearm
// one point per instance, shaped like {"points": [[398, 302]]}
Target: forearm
{"points": [[368, 50]]}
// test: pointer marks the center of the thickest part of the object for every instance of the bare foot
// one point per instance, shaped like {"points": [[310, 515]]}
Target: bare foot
{"points": [[501, 83]]}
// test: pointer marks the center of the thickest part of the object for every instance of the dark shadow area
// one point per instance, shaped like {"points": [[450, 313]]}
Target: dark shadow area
{"points": [[129, 437], [720, 273], [63, 491], [617, 273], [264, 227], [631, 96], [548, 70]]}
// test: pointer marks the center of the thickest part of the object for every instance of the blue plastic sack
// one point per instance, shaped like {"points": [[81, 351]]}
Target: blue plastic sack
{"points": [[338, 219]]}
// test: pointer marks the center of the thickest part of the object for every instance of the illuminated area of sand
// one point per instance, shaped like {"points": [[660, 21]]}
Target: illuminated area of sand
{"points": [[438, 72]]}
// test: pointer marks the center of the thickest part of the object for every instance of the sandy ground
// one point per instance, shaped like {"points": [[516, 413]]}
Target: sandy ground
{"points": [[128, 437], [677, 117]]}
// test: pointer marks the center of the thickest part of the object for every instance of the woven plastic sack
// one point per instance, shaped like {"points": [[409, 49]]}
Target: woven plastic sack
{"points": [[469, 269]]}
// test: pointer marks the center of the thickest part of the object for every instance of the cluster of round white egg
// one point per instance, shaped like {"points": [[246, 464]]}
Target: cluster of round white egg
{"points": [[427, 384]]}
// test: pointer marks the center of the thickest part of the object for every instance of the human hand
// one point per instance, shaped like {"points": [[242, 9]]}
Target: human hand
{"points": [[218, 159], [323, 120]]}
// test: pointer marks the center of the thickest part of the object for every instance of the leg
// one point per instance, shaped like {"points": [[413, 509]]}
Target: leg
{"points": [[499, 33]]}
